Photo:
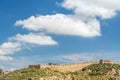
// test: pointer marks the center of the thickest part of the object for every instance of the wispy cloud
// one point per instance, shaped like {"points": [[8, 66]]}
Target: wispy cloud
{"points": [[5, 58], [86, 57], [22, 62], [75, 57]]}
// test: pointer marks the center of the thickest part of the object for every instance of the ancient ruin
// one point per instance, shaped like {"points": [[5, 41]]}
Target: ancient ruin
{"points": [[35, 66]]}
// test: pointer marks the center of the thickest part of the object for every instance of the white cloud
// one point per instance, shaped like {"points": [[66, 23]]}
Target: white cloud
{"points": [[20, 42], [80, 57], [61, 24], [83, 22], [9, 48], [6, 58], [22, 62], [87, 57], [93, 8], [33, 38]]}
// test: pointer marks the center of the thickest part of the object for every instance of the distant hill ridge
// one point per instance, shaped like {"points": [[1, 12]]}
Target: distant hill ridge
{"points": [[101, 70], [70, 67]]}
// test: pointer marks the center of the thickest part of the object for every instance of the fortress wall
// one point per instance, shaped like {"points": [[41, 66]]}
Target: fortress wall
{"points": [[69, 67]]}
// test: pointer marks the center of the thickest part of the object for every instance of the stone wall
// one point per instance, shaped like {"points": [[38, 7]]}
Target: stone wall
{"points": [[104, 61], [35, 66]]}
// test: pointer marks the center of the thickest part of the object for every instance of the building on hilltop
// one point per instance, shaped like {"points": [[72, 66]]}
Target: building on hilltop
{"points": [[53, 64], [104, 61], [35, 66]]}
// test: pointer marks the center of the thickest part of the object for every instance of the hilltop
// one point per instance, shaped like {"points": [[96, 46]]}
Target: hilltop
{"points": [[102, 70]]}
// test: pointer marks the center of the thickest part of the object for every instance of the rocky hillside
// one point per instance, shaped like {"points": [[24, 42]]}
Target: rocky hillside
{"points": [[95, 71]]}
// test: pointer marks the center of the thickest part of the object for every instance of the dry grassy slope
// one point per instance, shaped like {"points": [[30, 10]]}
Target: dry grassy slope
{"points": [[68, 67]]}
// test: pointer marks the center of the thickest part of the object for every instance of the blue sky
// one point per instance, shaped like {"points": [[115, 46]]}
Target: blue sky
{"points": [[60, 31]]}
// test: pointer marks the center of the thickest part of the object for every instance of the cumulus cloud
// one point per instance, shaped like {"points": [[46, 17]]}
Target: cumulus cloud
{"points": [[92, 9], [21, 41], [33, 38], [9, 48], [61, 24], [83, 22]]}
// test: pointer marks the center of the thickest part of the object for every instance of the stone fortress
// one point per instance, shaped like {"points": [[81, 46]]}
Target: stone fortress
{"points": [[68, 67]]}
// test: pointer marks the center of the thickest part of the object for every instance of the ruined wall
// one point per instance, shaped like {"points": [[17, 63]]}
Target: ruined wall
{"points": [[35, 66], [105, 61], [67, 67]]}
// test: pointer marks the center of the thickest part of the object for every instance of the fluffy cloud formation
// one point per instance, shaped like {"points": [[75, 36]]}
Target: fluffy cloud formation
{"points": [[83, 22], [9, 48], [32, 38], [92, 9], [20, 42], [62, 24]]}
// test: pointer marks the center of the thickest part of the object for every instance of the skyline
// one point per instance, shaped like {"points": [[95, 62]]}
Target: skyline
{"points": [[60, 31]]}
